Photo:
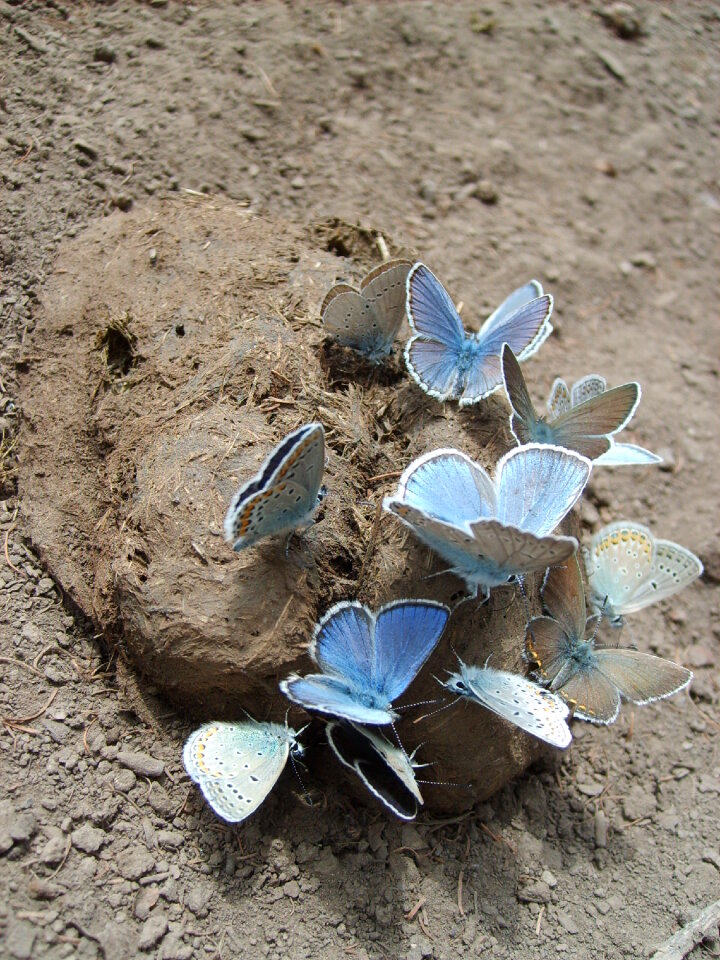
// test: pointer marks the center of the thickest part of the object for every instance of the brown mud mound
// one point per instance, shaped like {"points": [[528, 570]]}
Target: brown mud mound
{"points": [[176, 345]]}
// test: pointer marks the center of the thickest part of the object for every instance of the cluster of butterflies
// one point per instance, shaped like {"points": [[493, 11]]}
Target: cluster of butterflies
{"points": [[489, 530]]}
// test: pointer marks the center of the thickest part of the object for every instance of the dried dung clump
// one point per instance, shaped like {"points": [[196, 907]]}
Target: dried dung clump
{"points": [[174, 347]]}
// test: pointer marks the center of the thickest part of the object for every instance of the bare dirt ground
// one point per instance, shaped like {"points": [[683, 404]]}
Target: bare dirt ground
{"points": [[505, 141]]}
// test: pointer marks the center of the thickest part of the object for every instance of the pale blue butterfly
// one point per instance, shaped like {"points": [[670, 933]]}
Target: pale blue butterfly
{"points": [[368, 320], [590, 676], [628, 569], [516, 699], [567, 404], [490, 531], [367, 659], [449, 363], [584, 426], [385, 769], [284, 494], [236, 765]]}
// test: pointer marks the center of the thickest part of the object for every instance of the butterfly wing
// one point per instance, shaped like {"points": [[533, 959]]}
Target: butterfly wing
{"points": [[548, 647], [523, 421], [564, 596], [642, 677], [430, 310], [673, 568], [385, 770], [626, 455], [511, 552], [432, 356], [618, 562], [406, 633], [559, 399], [511, 304], [330, 696], [525, 330], [237, 764], [585, 427], [591, 386], [520, 701], [384, 289], [537, 485], [377, 655], [449, 485], [591, 696], [284, 494], [455, 544]]}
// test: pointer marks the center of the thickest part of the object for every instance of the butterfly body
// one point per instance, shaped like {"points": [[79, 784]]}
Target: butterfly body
{"points": [[489, 531], [449, 363], [284, 494], [591, 677], [385, 769], [367, 659], [515, 699], [237, 764], [368, 320]]}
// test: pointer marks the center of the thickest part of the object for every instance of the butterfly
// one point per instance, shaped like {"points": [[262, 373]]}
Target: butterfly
{"points": [[514, 698], [446, 361], [368, 320], [285, 492], [385, 769], [489, 531], [590, 676], [583, 426], [628, 569], [236, 765], [585, 396], [367, 659]]}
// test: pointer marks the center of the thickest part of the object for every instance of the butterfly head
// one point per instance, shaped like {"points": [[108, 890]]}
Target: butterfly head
{"points": [[456, 684]]}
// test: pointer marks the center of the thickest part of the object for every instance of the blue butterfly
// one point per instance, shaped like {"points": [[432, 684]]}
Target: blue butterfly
{"points": [[449, 363], [490, 531], [385, 769], [585, 424], [368, 320], [591, 677], [236, 765], [514, 698], [284, 494], [628, 569], [367, 659]]}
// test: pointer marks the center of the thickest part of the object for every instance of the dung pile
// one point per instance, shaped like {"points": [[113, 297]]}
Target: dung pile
{"points": [[174, 347]]}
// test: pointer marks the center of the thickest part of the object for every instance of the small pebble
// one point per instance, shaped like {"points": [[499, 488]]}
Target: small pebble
{"points": [[104, 53], [487, 192], [600, 827], [141, 763]]}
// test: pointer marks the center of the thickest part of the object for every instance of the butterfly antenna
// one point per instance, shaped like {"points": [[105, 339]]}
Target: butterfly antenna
{"points": [[598, 620], [397, 737], [434, 713], [306, 794], [443, 783], [419, 703]]}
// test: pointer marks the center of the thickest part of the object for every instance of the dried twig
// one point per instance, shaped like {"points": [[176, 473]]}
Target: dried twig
{"points": [[410, 915], [20, 663], [681, 943], [460, 891], [539, 920], [20, 721]]}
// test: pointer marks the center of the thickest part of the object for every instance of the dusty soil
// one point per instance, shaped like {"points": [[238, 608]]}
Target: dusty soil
{"points": [[501, 142]]}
